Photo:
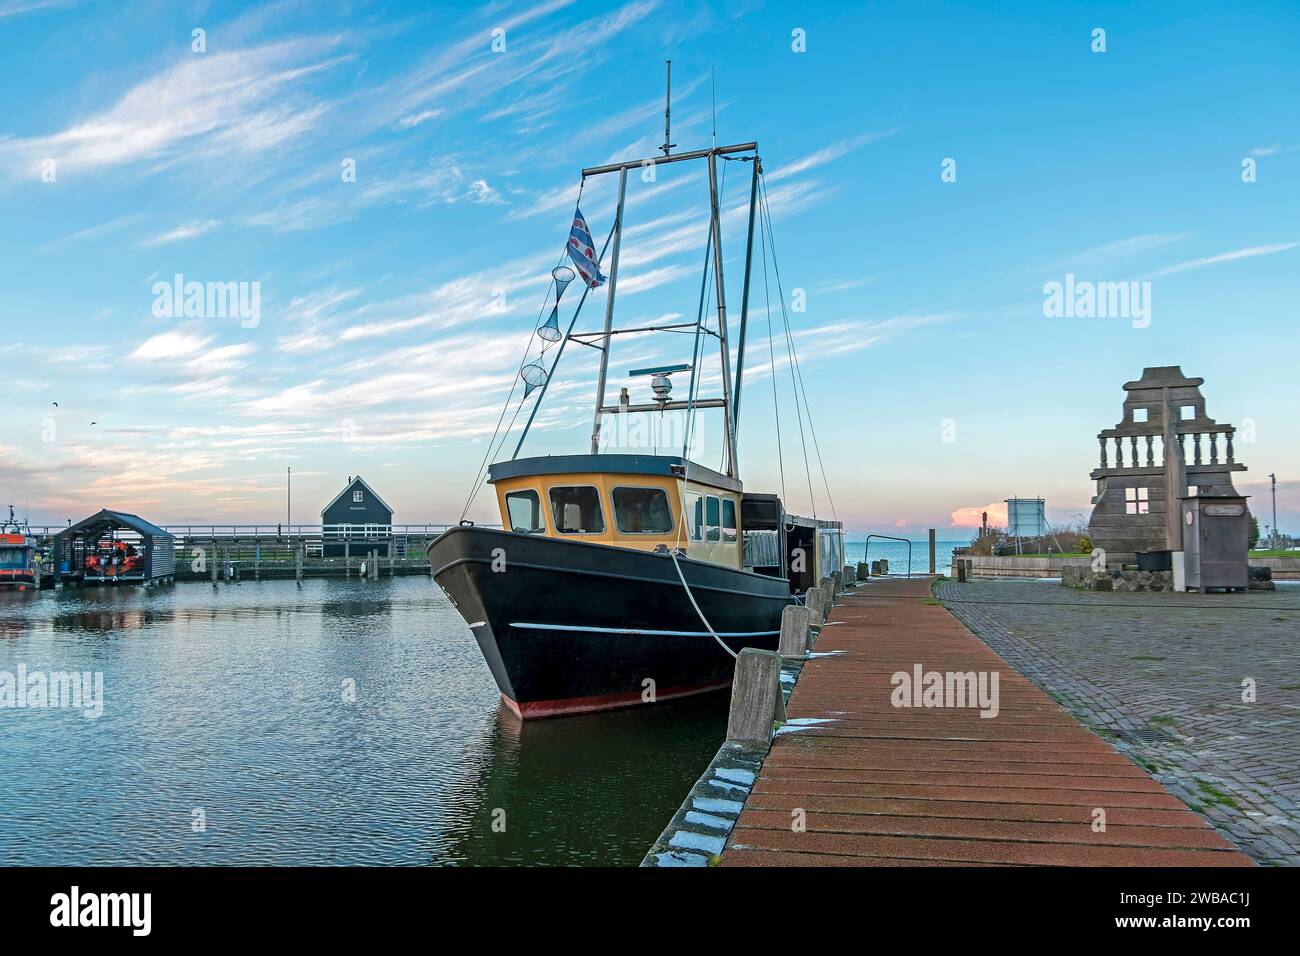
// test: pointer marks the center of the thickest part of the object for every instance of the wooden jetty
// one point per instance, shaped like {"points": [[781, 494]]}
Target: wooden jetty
{"points": [[255, 551], [853, 780]]}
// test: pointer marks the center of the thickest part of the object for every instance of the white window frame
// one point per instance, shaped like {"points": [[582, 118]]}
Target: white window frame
{"points": [[694, 520], [600, 501], [672, 524], [358, 496], [735, 518], [712, 532], [541, 510]]}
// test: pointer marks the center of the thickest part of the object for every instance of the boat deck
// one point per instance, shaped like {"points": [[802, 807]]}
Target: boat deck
{"points": [[891, 786]]}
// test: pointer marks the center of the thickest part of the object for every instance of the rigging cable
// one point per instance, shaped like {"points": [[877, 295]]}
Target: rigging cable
{"points": [[794, 354], [514, 383], [789, 344], [705, 297], [771, 351]]}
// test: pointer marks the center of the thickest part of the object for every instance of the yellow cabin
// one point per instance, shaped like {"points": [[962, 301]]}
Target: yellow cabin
{"points": [[627, 501]]}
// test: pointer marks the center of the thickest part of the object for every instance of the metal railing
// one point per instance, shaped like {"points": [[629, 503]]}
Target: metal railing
{"points": [[889, 537]]}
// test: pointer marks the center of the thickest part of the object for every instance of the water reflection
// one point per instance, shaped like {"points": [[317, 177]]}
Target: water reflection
{"points": [[229, 699], [592, 788]]}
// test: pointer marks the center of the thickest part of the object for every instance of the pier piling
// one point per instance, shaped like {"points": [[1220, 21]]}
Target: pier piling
{"points": [[815, 600], [795, 631], [827, 585], [864, 571], [755, 698], [932, 551]]}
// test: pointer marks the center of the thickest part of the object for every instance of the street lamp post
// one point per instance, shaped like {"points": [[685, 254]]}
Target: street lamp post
{"points": [[1276, 537]]}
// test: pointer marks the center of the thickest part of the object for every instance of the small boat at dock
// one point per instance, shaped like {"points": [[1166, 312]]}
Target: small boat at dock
{"points": [[18, 560]]}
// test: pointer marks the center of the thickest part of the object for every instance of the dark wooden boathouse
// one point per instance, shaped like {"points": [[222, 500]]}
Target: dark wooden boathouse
{"points": [[356, 522], [114, 547]]}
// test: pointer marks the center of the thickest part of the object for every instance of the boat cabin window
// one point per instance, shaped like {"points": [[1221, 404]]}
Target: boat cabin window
{"points": [[695, 516], [524, 509], [576, 510], [712, 519], [642, 511], [729, 520]]}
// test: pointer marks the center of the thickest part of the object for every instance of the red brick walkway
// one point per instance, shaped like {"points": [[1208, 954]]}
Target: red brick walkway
{"points": [[887, 786]]}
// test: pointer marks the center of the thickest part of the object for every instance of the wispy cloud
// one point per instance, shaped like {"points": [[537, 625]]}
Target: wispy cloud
{"points": [[846, 285], [826, 155], [853, 335], [14, 8], [1121, 250], [189, 230], [1277, 149], [94, 232], [1249, 252], [244, 101]]}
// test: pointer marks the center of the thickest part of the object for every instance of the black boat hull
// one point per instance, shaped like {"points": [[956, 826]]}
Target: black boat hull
{"points": [[569, 627]]}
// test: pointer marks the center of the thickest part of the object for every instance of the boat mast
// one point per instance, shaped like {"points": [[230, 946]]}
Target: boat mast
{"points": [[730, 407], [668, 110], [720, 287], [744, 295], [609, 311]]}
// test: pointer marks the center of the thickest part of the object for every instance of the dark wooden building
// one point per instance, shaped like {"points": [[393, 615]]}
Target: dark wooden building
{"points": [[1165, 450], [112, 547], [356, 522]]}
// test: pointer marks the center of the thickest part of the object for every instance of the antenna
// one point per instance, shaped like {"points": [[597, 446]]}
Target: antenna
{"points": [[668, 110], [713, 92]]}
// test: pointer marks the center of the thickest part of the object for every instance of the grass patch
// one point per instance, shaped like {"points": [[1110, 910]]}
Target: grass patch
{"points": [[1163, 719], [1275, 554], [1214, 795], [1290, 687], [931, 600]]}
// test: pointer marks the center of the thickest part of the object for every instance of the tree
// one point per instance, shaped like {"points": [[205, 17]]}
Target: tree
{"points": [[1254, 532]]}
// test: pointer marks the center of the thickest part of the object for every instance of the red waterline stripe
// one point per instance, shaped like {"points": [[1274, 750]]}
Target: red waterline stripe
{"points": [[585, 705]]}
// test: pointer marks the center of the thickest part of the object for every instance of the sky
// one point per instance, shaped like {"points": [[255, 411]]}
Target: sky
{"points": [[394, 182]]}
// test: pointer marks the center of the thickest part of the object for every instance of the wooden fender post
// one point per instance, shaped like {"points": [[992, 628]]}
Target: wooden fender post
{"points": [[755, 696], [815, 600], [795, 631]]}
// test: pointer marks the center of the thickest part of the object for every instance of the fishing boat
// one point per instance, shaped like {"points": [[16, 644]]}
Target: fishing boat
{"points": [[18, 546], [622, 579]]}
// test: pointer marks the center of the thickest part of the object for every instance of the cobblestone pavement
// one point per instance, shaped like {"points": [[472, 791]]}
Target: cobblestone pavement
{"points": [[1162, 676]]}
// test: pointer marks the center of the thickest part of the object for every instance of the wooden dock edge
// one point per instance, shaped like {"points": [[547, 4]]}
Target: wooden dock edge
{"points": [[697, 833]]}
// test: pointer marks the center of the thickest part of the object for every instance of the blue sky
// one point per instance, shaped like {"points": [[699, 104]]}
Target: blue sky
{"points": [[394, 309]]}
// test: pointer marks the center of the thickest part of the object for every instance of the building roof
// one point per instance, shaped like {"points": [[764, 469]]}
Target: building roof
{"points": [[348, 487], [612, 464], [122, 519]]}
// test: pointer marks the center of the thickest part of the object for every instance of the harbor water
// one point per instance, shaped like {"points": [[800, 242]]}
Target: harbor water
{"points": [[896, 553], [327, 722]]}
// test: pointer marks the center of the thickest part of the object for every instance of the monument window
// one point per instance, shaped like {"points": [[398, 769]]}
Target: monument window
{"points": [[1187, 412], [1136, 501], [1139, 415]]}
